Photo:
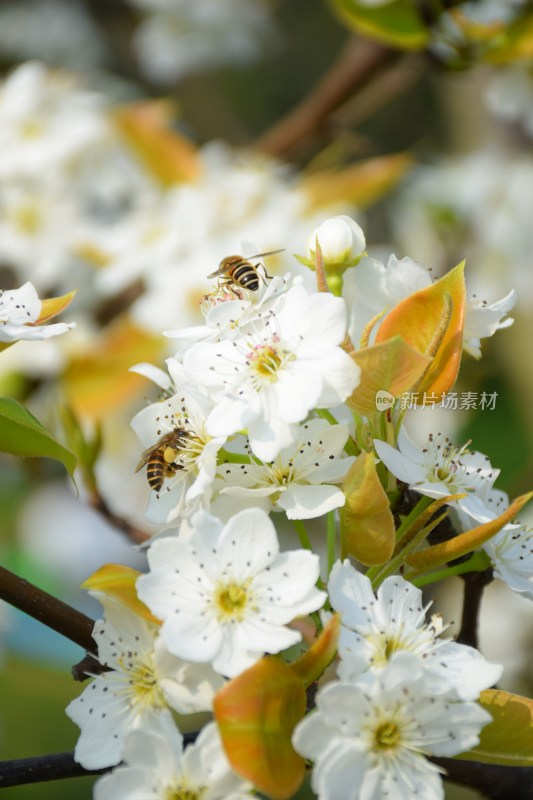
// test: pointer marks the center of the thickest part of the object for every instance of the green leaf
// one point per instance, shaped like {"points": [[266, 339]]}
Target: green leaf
{"points": [[21, 434], [508, 739], [397, 24]]}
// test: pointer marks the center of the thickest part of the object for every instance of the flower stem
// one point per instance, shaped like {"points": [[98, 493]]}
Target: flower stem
{"points": [[478, 563], [225, 457], [302, 534]]}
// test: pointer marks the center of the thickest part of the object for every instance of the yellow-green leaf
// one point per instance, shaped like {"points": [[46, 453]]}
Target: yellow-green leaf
{"points": [[146, 126], [367, 525], [397, 24], [467, 542], [392, 366], [508, 739], [361, 184], [54, 306], [256, 714], [118, 582], [310, 666], [21, 434], [97, 380], [515, 43], [426, 321]]}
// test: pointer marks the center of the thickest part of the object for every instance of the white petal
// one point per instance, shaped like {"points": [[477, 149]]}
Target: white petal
{"points": [[306, 502]]}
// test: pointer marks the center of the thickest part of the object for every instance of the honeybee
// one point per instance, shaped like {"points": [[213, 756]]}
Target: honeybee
{"points": [[160, 458], [238, 271]]}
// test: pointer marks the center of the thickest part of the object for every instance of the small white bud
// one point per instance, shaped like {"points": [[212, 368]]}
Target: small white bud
{"points": [[342, 241]]}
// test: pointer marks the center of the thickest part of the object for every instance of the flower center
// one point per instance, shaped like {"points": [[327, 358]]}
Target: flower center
{"points": [[26, 218], [387, 736], [182, 792], [231, 600], [265, 361], [143, 687]]}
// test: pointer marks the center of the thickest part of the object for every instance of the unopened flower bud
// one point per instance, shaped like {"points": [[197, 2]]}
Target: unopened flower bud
{"points": [[342, 242]]}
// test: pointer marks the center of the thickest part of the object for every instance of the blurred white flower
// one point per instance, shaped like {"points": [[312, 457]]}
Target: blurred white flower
{"points": [[158, 767], [19, 310], [52, 30], [509, 95], [177, 37], [143, 682], [45, 121], [226, 594]]}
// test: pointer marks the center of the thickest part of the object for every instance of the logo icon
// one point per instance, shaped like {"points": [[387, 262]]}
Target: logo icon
{"points": [[384, 400]]}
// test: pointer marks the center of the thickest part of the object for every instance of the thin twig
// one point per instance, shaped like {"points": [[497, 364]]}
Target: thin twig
{"points": [[47, 609], [360, 60], [133, 533]]}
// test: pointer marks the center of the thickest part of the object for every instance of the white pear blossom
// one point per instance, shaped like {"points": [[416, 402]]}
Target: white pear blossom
{"points": [[370, 737], [375, 288], [341, 240], [226, 594], [439, 469], [45, 121], [269, 380], [509, 95], [375, 629], [511, 549], [189, 467], [19, 309], [159, 767], [143, 682], [299, 480], [227, 315], [484, 319]]}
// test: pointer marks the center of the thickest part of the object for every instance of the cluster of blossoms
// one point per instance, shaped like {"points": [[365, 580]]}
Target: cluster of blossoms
{"points": [[256, 415]]}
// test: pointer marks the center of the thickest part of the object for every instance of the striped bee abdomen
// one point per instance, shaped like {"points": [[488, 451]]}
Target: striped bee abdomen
{"points": [[155, 471]]}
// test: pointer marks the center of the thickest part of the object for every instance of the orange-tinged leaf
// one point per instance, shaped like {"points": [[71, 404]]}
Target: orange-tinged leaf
{"points": [[392, 366], [361, 184], [256, 714], [118, 582], [310, 666], [97, 381], [54, 306], [440, 554], [508, 739], [419, 319], [367, 525], [146, 126]]}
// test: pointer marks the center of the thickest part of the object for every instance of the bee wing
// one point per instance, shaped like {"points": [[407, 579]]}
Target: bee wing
{"points": [[145, 457], [215, 274]]}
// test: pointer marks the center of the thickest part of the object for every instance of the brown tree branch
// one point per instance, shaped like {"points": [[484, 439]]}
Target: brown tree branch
{"points": [[133, 533], [495, 782], [474, 584], [360, 60], [47, 609]]}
